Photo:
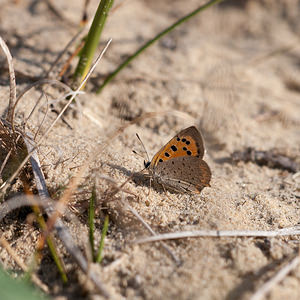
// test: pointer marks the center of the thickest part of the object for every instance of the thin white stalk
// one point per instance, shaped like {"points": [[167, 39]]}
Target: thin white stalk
{"points": [[12, 79], [220, 233]]}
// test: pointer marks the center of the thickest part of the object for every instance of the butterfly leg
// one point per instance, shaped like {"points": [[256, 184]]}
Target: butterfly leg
{"points": [[150, 181], [164, 188]]}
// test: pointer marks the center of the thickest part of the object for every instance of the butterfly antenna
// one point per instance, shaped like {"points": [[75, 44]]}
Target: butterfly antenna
{"points": [[148, 159], [139, 154]]}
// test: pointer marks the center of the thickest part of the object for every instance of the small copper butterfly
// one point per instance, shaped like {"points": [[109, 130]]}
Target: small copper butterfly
{"points": [[179, 165]]}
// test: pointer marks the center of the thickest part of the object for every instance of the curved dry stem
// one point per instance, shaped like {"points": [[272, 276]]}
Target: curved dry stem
{"points": [[18, 202], [12, 78]]}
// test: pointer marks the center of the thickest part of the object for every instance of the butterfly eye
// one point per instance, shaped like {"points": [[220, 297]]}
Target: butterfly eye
{"points": [[147, 164]]}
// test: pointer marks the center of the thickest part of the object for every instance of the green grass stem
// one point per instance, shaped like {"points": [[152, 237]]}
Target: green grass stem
{"points": [[91, 222], [103, 235], [92, 40], [51, 244]]}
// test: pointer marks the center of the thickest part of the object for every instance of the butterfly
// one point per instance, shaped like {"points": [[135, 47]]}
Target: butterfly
{"points": [[179, 166]]}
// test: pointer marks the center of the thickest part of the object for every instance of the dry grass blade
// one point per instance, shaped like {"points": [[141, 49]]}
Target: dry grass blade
{"points": [[267, 286], [12, 77], [221, 233], [17, 202], [59, 226]]}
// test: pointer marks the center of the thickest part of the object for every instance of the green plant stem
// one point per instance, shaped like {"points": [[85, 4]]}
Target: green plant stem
{"points": [[149, 43], [92, 41], [103, 235], [51, 244], [91, 222]]}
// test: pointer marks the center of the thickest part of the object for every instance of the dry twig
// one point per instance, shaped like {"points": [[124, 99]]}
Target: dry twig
{"points": [[221, 233]]}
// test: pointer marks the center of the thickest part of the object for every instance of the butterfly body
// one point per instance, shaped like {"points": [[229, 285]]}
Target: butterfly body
{"points": [[179, 165]]}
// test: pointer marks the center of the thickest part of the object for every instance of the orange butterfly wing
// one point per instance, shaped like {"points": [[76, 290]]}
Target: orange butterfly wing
{"points": [[187, 142]]}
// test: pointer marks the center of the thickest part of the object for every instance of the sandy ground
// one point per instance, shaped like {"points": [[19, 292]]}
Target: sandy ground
{"points": [[233, 72]]}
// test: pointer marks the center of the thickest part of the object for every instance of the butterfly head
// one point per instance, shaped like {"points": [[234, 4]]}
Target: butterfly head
{"points": [[147, 164]]}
